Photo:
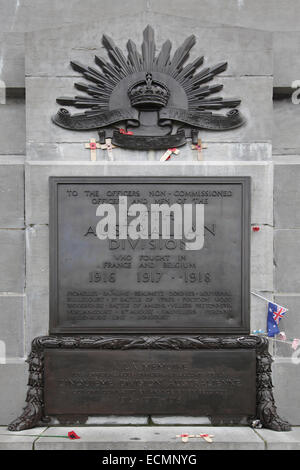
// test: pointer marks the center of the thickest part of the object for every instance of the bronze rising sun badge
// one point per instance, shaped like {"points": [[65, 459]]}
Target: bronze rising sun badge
{"points": [[148, 101]]}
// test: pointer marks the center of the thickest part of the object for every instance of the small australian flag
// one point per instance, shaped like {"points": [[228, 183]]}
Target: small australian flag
{"points": [[275, 314]]}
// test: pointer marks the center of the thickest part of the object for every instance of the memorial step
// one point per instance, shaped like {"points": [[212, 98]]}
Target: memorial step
{"points": [[149, 438]]}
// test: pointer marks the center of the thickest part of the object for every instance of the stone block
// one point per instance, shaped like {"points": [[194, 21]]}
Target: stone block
{"points": [[12, 59], [286, 46], [37, 257], [117, 420], [180, 420], [214, 152], [12, 127], [77, 152], [12, 192], [23, 440], [150, 438], [249, 52], [37, 284], [286, 379], [287, 260], [12, 260], [37, 174], [258, 14], [280, 440], [286, 121], [23, 15], [13, 379], [37, 314], [286, 196], [262, 259], [12, 325]]}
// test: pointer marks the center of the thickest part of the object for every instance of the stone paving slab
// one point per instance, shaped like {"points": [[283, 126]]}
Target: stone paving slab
{"points": [[22, 440], [281, 440], [150, 438]]}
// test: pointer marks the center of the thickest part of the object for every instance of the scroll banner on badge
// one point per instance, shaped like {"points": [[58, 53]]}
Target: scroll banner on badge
{"points": [[205, 120], [97, 120], [140, 142], [90, 120]]}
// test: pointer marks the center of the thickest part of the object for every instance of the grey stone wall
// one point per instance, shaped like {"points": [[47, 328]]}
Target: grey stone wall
{"points": [[259, 38]]}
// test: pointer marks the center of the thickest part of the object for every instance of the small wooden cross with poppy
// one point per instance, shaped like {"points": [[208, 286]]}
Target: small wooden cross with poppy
{"points": [[93, 146]]}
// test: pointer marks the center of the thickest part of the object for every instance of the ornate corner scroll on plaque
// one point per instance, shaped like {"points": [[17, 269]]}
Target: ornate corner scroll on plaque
{"points": [[60, 386], [159, 100]]}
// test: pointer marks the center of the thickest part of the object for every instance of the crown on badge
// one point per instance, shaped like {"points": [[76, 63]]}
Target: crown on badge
{"points": [[148, 93]]}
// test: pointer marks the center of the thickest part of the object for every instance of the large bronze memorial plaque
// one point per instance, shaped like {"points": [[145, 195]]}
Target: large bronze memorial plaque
{"points": [[191, 383], [151, 284]]}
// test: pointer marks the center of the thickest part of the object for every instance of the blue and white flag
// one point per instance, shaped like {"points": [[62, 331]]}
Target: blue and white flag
{"points": [[275, 314]]}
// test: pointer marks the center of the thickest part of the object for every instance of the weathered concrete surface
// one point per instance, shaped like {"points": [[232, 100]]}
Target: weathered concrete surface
{"points": [[214, 152], [12, 127], [12, 192], [13, 379], [23, 440], [12, 59], [37, 174], [262, 259], [180, 420], [25, 16], [151, 438], [12, 325], [286, 379], [36, 314], [37, 283], [287, 260], [286, 122], [262, 439], [12, 259], [287, 195], [248, 51], [259, 14], [117, 420], [37, 259], [28, 15], [286, 47], [281, 440]]}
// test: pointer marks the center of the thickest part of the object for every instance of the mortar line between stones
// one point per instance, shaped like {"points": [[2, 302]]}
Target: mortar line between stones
{"points": [[35, 440], [25, 305], [264, 440]]}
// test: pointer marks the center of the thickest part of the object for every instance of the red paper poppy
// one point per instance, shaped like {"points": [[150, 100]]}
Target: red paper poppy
{"points": [[73, 435]]}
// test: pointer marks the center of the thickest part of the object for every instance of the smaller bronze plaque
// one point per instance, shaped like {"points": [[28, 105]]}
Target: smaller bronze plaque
{"points": [[211, 383]]}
